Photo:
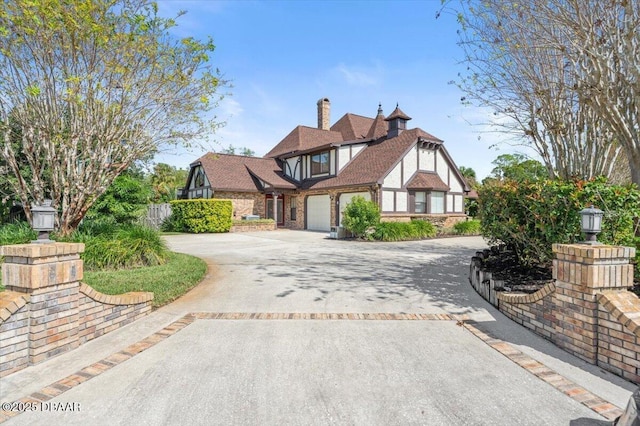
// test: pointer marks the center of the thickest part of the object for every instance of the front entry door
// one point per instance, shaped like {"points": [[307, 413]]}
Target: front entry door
{"points": [[270, 212]]}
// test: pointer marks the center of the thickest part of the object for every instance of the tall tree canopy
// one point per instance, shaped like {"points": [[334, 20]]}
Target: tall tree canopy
{"points": [[564, 73], [87, 87]]}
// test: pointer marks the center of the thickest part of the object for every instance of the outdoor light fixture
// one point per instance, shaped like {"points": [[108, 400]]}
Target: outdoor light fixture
{"points": [[43, 220], [591, 223]]}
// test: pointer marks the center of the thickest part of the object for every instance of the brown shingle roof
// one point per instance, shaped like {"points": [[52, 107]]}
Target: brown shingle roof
{"points": [[378, 128], [352, 126], [425, 180], [397, 113], [234, 172], [303, 138], [373, 163]]}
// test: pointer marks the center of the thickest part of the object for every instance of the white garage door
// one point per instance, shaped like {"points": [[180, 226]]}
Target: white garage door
{"points": [[346, 199], [318, 213]]}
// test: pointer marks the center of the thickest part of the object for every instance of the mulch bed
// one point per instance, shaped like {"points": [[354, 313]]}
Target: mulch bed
{"points": [[504, 266]]}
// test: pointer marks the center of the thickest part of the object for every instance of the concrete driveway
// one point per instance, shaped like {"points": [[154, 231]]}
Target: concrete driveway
{"points": [[264, 347]]}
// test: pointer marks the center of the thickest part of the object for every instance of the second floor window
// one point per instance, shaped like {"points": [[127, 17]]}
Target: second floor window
{"points": [[320, 163]]}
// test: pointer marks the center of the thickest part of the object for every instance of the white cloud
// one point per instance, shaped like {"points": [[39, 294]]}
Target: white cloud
{"points": [[359, 76], [230, 108]]}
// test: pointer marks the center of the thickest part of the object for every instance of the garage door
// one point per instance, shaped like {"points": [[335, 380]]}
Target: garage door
{"points": [[346, 199], [318, 213]]}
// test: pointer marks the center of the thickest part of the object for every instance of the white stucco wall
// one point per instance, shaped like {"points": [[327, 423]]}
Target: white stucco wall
{"points": [[410, 164], [454, 183], [426, 159], [356, 149], [388, 201], [449, 207], [442, 167], [343, 157], [295, 173], [393, 179]]}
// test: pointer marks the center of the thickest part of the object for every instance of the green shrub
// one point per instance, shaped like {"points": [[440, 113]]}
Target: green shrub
{"points": [[360, 216], [16, 233], [172, 224], [469, 227], [530, 216], [425, 229], [202, 215], [125, 201], [127, 247], [403, 231]]}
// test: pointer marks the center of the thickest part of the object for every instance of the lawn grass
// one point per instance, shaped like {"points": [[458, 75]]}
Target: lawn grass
{"points": [[167, 282]]}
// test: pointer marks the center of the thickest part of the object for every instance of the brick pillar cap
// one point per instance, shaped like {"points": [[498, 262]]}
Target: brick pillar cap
{"points": [[41, 250]]}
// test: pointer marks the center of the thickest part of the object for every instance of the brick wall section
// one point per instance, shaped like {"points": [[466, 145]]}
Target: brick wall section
{"points": [[251, 227], [619, 334], [244, 203], [100, 313], [534, 311], [587, 311], [14, 332], [47, 311]]}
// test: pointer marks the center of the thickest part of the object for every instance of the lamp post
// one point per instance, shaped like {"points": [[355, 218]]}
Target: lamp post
{"points": [[43, 220], [591, 224]]}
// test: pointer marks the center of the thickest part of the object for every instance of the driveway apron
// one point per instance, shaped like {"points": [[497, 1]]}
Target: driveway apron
{"points": [[290, 327]]}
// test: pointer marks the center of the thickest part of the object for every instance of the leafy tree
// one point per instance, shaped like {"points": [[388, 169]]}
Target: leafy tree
{"points": [[517, 167], [239, 151], [125, 201], [89, 87], [165, 181], [560, 75], [469, 175]]}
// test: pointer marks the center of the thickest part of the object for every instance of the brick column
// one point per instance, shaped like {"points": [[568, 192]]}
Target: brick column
{"points": [[581, 272], [50, 274]]}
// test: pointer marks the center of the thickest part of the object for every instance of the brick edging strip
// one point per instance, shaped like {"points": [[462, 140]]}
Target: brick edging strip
{"points": [[536, 368], [564, 385]]}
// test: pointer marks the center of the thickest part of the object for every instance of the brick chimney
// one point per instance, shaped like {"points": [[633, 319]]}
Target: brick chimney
{"points": [[324, 107]]}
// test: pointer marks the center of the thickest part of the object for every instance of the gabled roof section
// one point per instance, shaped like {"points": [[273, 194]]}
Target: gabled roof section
{"points": [[373, 163], [304, 138], [352, 126], [234, 172], [427, 180]]}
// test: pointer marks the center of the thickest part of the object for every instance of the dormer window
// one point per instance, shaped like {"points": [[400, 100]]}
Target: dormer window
{"points": [[320, 163]]}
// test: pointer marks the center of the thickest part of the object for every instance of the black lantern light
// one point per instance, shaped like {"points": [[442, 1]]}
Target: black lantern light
{"points": [[591, 224], [43, 220]]}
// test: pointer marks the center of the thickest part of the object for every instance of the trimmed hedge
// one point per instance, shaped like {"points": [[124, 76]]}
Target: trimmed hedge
{"points": [[201, 215], [403, 231], [530, 216]]}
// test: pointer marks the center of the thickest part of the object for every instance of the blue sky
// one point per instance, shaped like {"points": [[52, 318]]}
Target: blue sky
{"points": [[282, 56]]}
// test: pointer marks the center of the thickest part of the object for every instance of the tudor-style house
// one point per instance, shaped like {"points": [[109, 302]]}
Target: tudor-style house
{"points": [[306, 180]]}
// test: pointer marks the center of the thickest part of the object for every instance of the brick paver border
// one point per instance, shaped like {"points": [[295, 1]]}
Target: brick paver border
{"points": [[564, 385]]}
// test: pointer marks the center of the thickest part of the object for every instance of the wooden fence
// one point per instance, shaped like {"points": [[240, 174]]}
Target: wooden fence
{"points": [[156, 214]]}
